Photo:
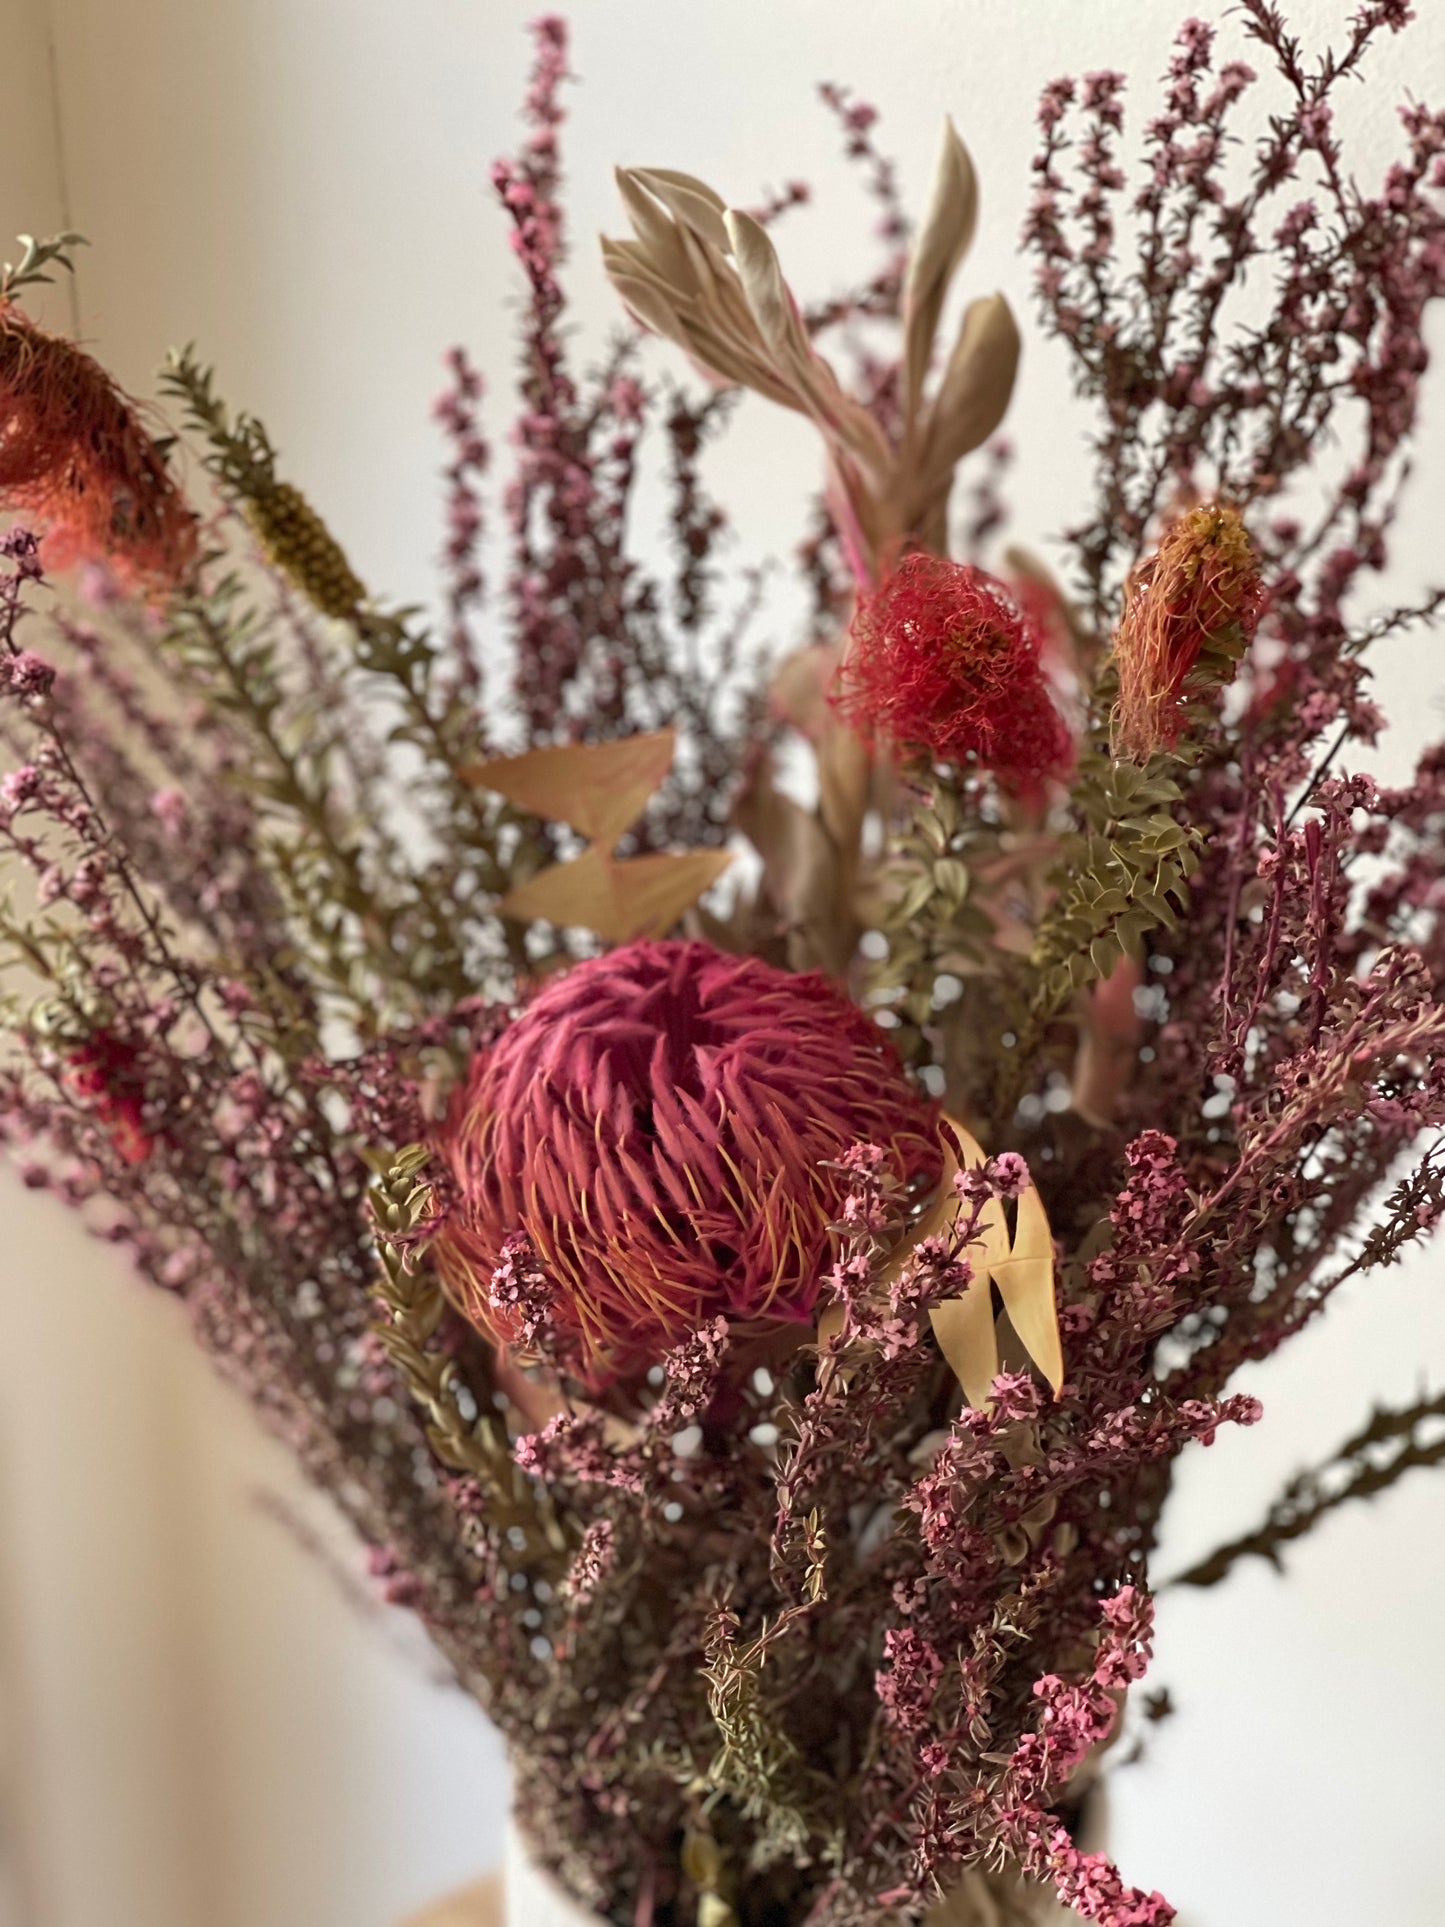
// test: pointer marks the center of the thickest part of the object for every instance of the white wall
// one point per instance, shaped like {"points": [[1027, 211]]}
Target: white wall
{"points": [[299, 185]]}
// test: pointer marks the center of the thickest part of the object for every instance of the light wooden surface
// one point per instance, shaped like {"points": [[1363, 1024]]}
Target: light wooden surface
{"points": [[479, 1905]]}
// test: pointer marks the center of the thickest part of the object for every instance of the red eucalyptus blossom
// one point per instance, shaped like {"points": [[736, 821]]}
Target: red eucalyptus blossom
{"points": [[945, 665], [75, 456], [658, 1123]]}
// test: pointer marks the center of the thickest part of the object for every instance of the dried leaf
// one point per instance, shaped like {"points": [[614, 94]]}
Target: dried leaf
{"points": [[802, 876], [798, 688], [781, 326], [768, 299], [644, 295], [1021, 1267], [942, 243], [830, 1323], [1025, 1281], [618, 898], [676, 279], [657, 235], [694, 203], [965, 1332], [844, 766], [1084, 646], [973, 395], [599, 788]]}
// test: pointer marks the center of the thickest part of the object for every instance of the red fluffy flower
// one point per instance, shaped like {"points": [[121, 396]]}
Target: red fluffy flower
{"points": [[944, 664], [75, 456], [656, 1125]]}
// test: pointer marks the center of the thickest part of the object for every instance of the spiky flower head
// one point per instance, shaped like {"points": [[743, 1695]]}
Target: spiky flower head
{"points": [[943, 663], [658, 1124], [76, 456], [1190, 612]]}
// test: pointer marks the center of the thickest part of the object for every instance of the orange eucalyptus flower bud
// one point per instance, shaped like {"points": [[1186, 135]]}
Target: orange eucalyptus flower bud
{"points": [[75, 456], [1190, 611]]}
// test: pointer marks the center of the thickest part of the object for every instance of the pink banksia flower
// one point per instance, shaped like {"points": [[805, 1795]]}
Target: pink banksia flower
{"points": [[943, 663], [662, 1124], [1190, 612]]}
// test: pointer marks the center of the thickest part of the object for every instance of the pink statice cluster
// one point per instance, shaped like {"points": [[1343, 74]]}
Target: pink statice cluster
{"points": [[758, 1347]]}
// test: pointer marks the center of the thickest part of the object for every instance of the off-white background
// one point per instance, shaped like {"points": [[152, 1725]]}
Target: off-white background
{"points": [[195, 1730]]}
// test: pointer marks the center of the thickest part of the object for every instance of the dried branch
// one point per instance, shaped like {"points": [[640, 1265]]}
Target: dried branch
{"points": [[1392, 1444]]}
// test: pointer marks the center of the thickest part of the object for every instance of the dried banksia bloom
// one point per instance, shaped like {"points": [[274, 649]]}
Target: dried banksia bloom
{"points": [[75, 457], [658, 1124], [943, 663], [1190, 612]]}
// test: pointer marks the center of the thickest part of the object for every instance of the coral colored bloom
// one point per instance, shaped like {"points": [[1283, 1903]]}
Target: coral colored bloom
{"points": [[75, 456], [1190, 612], [944, 663], [657, 1123]]}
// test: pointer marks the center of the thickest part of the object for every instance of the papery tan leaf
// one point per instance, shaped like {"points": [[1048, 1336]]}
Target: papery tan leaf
{"points": [[992, 1241], [1021, 561], [652, 310], [652, 892], [1021, 1267], [577, 894], [617, 898], [761, 274], [973, 395], [676, 278], [599, 788], [942, 243], [830, 1323], [1025, 1281], [844, 767], [656, 233], [798, 687], [692, 201], [965, 1332], [802, 876], [781, 327]]}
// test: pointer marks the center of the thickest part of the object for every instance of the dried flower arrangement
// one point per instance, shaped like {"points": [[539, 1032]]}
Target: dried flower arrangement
{"points": [[617, 1243]]}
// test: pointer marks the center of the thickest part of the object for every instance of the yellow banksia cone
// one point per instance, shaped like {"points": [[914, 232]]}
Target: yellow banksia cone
{"points": [[296, 539]]}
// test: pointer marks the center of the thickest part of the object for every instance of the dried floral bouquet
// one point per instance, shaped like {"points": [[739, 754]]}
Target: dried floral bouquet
{"points": [[750, 1309]]}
